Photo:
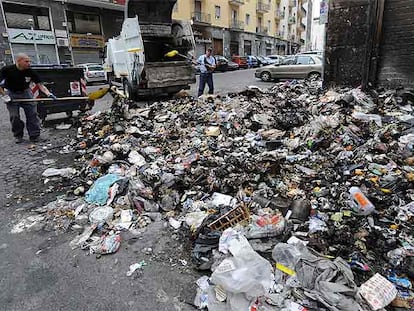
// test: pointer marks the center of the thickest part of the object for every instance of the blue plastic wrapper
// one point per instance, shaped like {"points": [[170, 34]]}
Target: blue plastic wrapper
{"points": [[98, 193]]}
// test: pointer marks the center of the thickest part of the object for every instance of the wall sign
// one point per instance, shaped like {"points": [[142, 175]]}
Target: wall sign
{"points": [[323, 12], [85, 41], [202, 40], [27, 36]]}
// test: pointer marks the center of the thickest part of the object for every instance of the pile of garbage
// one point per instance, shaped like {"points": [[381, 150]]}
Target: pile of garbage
{"points": [[296, 199]]}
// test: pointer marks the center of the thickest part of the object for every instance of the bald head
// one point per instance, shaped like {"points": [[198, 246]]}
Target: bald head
{"points": [[22, 61]]}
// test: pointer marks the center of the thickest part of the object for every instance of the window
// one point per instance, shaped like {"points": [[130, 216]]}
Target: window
{"points": [[25, 16], [288, 61], [217, 11], [233, 15], [247, 19], [43, 22], [84, 23], [304, 60], [269, 25]]}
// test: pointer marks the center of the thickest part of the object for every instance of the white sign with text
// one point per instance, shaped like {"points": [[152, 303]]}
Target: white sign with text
{"points": [[28, 36]]}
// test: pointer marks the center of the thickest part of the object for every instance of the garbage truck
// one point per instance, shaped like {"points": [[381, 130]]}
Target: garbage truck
{"points": [[140, 58]]}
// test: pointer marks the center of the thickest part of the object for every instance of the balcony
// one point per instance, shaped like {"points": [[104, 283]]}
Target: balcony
{"points": [[236, 2], [262, 31], [282, 14], [301, 27], [236, 25], [291, 20], [201, 18], [292, 3], [277, 14], [262, 7], [280, 35]]}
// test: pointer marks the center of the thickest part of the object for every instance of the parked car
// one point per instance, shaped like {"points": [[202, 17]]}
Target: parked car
{"points": [[263, 61], [276, 59], [93, 72], [240, 60], [303, 66], [252, 61], [221, 63], [232, 66]]}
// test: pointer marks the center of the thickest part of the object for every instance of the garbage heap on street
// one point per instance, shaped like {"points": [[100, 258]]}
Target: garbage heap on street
{"points": [[296, 199]]}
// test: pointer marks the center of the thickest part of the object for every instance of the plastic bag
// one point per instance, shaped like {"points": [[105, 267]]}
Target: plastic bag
{"points": [[287, 255], [368, 117], [101, 214], [98, 193], [107, 244], [64, 172], [266, 225], [246, 272]]}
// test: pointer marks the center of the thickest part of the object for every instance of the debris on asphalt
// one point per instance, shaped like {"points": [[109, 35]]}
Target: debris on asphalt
{"points": [[295, 198], [136, 266]]}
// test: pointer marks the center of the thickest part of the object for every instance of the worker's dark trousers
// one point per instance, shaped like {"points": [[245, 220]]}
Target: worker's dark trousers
{"points": [[206, 78], [30, 110]]}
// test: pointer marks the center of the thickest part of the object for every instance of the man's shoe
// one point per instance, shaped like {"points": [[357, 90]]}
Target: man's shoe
{"points": [[35, 139], [18, 140]]}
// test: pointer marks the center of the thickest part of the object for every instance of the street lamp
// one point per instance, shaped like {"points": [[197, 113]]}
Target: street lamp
{"points": [[31, 23]]}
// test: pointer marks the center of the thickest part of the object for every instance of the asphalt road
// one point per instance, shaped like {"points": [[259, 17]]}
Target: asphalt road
{"points": [[39, 271], [224, 82]]}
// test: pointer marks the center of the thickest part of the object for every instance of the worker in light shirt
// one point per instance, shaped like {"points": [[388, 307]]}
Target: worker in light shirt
{"points": [[207, 64]]}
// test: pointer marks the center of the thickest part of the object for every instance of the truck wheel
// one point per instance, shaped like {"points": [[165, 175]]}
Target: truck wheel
{"points": [[128, 90]]}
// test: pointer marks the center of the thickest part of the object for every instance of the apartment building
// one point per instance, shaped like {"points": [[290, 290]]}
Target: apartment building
{"points": [[243, 27], [74, 31]]}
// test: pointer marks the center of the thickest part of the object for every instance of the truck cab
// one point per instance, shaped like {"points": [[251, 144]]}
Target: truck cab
{"points": [[137, 57]]}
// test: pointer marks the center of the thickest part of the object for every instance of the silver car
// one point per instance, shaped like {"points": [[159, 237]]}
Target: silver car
{"points": [[93, 73], [297, 67]]}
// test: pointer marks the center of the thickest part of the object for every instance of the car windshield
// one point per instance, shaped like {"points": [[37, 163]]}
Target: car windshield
{"points": [[95, 68]]}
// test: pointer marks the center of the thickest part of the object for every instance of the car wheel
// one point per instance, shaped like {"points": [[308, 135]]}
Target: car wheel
{"points": [[314, 76], [265, 76]]}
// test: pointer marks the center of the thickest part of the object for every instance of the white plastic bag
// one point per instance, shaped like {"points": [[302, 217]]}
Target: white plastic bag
{"points": [[245, 272]]}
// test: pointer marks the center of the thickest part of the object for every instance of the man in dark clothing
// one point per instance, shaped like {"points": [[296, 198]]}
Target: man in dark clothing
{"points": [[16, 80], [207, 64]]}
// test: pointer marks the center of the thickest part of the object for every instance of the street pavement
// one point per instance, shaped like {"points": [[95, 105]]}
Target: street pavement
{"points": [[38, 269]]}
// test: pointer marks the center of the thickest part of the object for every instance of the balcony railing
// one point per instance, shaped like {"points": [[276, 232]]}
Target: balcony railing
{"points": [[262, 7], [236, 25], [262, 30], [201, 18], [236, 2], [280, 34], [292, 20]]}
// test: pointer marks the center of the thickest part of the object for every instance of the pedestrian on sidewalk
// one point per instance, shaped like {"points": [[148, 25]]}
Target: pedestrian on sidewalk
{"points": [[207, 64], [16, 80]]}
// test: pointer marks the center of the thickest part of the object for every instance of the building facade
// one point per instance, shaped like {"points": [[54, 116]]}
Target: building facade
{"points": [[56, 31], [75, 31], [246, 27]]}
